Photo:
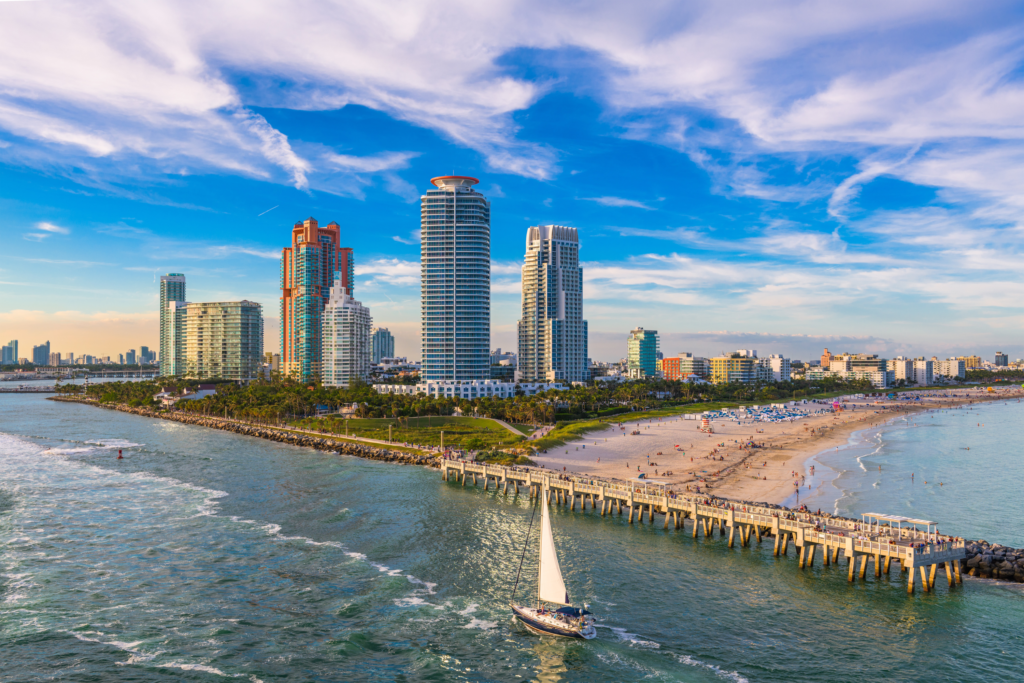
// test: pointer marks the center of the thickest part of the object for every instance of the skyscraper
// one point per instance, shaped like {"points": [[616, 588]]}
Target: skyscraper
{"points": [[41, 354], [10, 353], [552, 331], [346, 339], [129, 357], [172, 288], [642, 353], [309, 268], [222, 339], [455, 280], [383, 344], [144, 354]]}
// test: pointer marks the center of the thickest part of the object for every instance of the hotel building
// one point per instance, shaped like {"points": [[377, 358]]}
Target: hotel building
{"points": [[309, 268], [455, 277], [552, 331]]}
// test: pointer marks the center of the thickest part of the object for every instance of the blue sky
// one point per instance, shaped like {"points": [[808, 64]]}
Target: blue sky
{"points": [[743, 176]]}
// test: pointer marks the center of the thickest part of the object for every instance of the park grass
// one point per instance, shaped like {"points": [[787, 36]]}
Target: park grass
{"points": [[566, 432], [502, 458], [422, 431]]}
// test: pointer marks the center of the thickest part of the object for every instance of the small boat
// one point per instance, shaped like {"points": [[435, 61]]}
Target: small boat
{"points": [[565, 621]]}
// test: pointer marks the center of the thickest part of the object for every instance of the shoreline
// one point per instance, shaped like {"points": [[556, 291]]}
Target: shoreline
{"points": [[288, 436], [766, 472]]}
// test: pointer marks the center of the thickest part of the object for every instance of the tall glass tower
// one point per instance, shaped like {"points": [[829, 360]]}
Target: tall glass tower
{"points": [[552, 331], [172, 288], [309, 268], [455, 277]]}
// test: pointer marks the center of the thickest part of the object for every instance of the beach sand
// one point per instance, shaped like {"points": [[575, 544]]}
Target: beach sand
{"points": [[758, 474]]}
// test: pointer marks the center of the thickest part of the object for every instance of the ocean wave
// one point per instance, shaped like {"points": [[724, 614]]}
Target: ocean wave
{"points": [[632, 638], [729, 675], [116, 443]]}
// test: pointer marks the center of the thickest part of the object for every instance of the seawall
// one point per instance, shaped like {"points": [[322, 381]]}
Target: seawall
{"points": [[280, 435]]}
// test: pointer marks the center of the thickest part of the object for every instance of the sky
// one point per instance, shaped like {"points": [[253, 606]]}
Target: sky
{"points": [[779, 176]]}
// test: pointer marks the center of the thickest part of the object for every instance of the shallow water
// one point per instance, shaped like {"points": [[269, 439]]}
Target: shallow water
{"points": [[204, 556]]}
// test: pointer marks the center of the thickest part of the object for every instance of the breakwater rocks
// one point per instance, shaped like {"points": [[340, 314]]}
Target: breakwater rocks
{"points": [[993, 561], [358, 450]]}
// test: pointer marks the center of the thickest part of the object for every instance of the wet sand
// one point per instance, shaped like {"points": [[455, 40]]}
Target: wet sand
{"points": [[766, 473]]}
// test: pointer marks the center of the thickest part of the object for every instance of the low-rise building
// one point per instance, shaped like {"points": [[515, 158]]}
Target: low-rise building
{"points": [[733, 368], [469, 389], [684, 366]]}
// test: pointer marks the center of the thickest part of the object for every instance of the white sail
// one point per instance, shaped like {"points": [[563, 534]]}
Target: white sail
{"points": [[552, 587]]}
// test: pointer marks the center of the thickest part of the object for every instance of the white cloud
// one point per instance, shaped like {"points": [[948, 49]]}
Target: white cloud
{"points": [[619, 202], [50, 227], [392, 271]]}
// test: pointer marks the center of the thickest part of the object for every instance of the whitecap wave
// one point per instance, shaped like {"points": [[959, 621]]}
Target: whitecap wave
{"points": [[632, 638], [729, 675]]}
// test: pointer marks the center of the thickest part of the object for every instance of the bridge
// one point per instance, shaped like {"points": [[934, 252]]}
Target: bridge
{"points": [[876, 540]]}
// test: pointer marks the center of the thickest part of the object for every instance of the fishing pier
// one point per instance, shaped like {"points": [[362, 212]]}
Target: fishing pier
{"points": [[876, 540]]}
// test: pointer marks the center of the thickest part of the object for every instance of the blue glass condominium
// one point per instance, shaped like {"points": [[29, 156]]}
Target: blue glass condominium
{"points": [[455, 275]]}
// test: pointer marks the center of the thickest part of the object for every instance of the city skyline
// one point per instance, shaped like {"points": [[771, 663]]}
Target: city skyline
{"points": [[742, 200]]}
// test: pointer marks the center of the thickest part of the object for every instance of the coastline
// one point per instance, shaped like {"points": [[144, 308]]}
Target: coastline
{"points": [[288, 436], [722, 465]]}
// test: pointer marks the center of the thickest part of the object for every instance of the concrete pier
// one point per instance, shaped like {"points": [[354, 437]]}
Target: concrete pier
{"points": [[871, 542]]}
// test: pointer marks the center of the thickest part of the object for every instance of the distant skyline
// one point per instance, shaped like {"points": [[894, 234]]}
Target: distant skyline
{"points": [[782, 177]]}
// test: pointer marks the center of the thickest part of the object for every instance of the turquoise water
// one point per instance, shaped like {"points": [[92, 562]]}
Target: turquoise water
{"points": [[204, 556], [980, 488]]}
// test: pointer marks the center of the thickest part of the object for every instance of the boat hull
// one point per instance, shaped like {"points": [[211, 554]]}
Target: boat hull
{"points": [[545, 628]]}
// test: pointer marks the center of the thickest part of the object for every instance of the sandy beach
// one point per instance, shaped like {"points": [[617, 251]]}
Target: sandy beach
{"points": [[672, 450]]}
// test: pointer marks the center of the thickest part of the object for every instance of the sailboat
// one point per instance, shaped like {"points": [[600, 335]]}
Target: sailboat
{"points": [[566, 620]]}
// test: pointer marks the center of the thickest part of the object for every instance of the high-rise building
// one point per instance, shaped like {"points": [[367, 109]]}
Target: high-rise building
{"points": [[552, 331], [10, 353], [54, 358], [1002, 360], [41, 354], [826, 359], [172, 288], [383, 344], [215, 340], [642, 353], [455, 280], [129, 357], [309, 268], [346, 352], [172, 345], [144, 354]]}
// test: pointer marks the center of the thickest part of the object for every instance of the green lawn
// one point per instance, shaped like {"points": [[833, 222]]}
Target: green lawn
{"points": [[459, 432]]}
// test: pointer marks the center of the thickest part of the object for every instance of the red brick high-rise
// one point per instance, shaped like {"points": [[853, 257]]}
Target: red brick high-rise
{"points": [[308, 269]]}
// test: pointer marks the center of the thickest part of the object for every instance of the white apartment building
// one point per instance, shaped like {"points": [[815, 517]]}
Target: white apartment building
{"points": [[776, 368], [552, 331], [949, 368], [902, 368], [924, 372], [468, 389], [346, 347]]}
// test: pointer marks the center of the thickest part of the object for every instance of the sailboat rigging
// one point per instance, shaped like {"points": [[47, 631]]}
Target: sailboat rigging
{"points": [[566, 621]]}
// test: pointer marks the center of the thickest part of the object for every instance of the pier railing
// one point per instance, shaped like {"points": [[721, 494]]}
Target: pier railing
{"points": [[807, 530]]}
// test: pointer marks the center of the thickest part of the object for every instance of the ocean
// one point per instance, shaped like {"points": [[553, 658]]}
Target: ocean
{"points": [[206, 556]]}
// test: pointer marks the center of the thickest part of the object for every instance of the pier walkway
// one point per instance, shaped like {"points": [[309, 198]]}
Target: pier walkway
{"points": [[877, 539]]}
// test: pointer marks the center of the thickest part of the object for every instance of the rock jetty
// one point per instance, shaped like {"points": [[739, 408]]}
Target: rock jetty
{"points": [[993, 561], [358, 450]]}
